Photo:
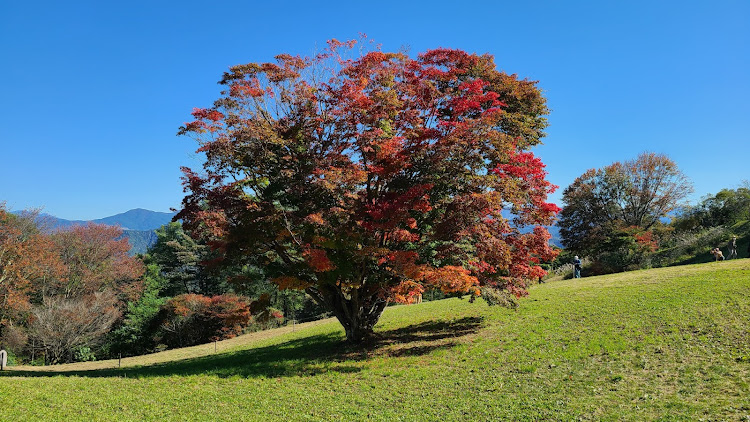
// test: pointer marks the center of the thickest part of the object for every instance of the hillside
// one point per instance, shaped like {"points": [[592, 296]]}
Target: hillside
{"points": [[138, 219], [668, 344], [140, 240]]}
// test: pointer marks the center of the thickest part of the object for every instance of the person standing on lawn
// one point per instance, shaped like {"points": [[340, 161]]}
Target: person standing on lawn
{"points": [[733, 248]]}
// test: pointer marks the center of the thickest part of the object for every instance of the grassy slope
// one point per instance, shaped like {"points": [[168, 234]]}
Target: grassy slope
{"points": [[740, 229], [668, 344]]}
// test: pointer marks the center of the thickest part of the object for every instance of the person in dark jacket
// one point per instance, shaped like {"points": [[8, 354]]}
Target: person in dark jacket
{"points": [[733, 248], [576, 267]]}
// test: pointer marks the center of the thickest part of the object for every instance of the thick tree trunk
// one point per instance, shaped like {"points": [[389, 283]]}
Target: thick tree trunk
{"points": [[357, 310]]}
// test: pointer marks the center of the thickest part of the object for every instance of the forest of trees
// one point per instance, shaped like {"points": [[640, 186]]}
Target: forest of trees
{"points": [[76, 294]]}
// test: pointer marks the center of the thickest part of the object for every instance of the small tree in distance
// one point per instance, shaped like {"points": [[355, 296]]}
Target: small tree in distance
{"points": [[622, 201], [63, 324], [364, 180]]}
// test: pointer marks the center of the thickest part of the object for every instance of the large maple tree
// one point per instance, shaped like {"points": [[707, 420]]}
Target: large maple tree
{"points": [[365, 177]]}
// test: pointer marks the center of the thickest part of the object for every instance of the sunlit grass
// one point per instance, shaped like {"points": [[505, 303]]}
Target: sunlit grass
{"points": [[667, 344]]}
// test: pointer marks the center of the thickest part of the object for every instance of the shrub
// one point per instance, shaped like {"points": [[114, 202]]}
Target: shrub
{"points": [[272, 318], [191, 319], [60, 326], [565, 270], [13, 338], [686, 245], [499, 297], [84, 354]]}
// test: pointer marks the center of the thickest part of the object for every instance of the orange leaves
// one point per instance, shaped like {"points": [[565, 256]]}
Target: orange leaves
{"points": [[407, 291], [246, 88], [451, 279], [318, 260], [646, 240], [401, 235], [289, 282], [72, 264], [413, 276], [208, 114], [27, 258], [206, 120], [334, 44], [96, 260], [334, 178], [315, 218]]}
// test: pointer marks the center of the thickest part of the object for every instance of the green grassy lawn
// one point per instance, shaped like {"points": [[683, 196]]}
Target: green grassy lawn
{"points": [[663, 344]]}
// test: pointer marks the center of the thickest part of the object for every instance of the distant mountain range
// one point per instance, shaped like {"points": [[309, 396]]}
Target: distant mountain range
{"points": [[137, 219], [555, 232], [138, 225]]}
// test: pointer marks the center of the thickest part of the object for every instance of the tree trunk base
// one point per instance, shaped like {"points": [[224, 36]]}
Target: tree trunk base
{"points": [[358, 311]]}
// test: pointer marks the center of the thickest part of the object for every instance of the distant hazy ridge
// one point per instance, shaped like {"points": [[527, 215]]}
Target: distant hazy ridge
{"points": [[139, 225]]}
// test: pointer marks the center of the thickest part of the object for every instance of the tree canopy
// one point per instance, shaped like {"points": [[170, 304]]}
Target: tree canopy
{"points": [[366, 179], [726, 207], [622, 200], [63, 290]]}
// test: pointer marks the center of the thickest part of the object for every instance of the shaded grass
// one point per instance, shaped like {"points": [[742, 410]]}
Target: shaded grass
{"points": [[663, 344], [309, 355]]}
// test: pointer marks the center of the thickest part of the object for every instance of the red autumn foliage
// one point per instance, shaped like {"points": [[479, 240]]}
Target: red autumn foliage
{"points": [[46, 278], [96, 258], [27, 258], [368, 179], [646, 241]]}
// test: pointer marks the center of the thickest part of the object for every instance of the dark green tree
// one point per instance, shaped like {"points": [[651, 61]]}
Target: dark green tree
{"points": [[727, 207], [181, 262], [133, 336]]}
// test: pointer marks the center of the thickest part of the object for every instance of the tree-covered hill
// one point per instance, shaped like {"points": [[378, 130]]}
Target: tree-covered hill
{"points": [[138, 219], [140, 240]]}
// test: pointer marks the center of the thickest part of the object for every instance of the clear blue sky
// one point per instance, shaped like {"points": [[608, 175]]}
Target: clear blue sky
{"points": [[92, 92]]}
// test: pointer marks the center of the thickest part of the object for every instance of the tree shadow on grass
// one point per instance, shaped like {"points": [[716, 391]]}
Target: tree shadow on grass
{"points": [[419, 339], [307, 356]]}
